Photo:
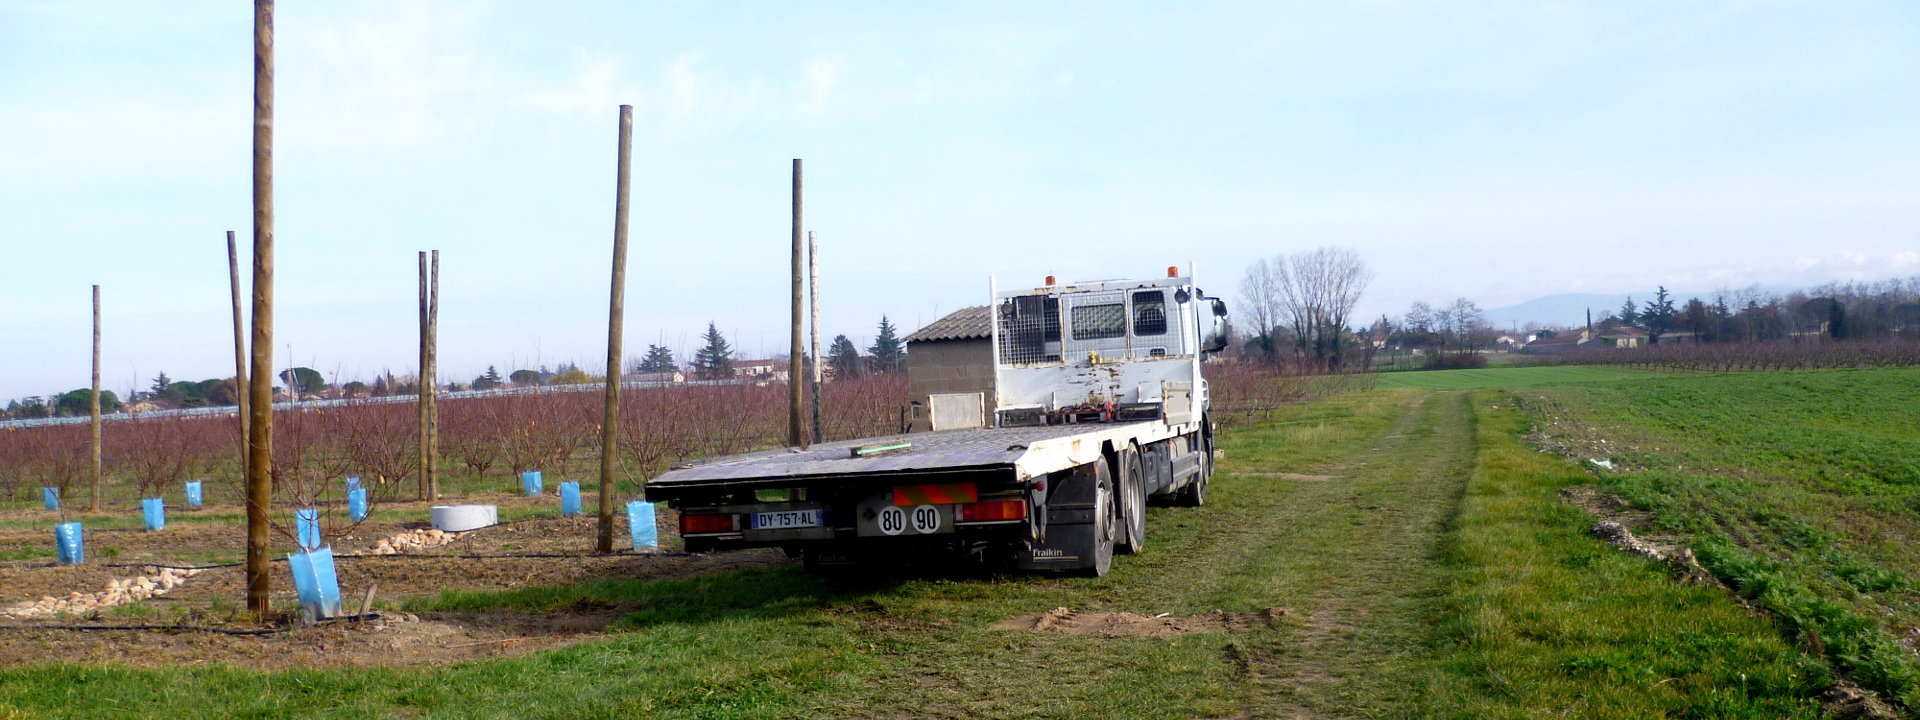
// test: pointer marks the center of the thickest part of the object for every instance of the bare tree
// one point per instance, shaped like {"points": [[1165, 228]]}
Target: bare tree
{"points": [[1260, 301], [1318, 290]]}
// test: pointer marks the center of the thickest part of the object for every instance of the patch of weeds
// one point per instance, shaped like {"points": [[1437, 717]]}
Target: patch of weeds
{"points": [[138, 609], [27, 553], [1857, 644]]}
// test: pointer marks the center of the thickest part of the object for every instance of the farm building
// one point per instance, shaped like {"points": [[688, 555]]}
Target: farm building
{"points": [[1618, 336], [950, 380], [759, 371]]}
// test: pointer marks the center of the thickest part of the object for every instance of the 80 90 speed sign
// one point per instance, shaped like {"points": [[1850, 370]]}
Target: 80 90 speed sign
{"points": [[881, 517], [921, 519]]}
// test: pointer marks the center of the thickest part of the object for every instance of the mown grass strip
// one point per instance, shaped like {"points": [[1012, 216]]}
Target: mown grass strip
{"points": [[1506, 377]]}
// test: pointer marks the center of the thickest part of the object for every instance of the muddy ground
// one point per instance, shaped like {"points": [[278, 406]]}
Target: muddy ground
{"points": [[213, 597]]}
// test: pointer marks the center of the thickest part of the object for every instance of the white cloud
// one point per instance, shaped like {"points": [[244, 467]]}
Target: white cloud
{"points": [[587, 94], [1853, 257], [683, 85], [382, 82], [1804, 263], [1904, 259], [823, 74], [129, 138]]}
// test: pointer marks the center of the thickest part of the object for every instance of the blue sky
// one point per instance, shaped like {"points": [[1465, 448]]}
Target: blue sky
{"points": [[1494, 150]]}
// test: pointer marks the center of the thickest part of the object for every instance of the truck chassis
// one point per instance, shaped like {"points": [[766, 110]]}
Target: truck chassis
{"points": [[1059, 497]]}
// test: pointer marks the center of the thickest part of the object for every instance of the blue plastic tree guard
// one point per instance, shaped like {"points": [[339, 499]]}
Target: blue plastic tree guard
{"points": [[353, 483], [154, 512], [50, 497], [640, 524], [306, 523], [569, 499], [357, 504], [194, 498], [315, 582], [66, 536], [530, 483]]}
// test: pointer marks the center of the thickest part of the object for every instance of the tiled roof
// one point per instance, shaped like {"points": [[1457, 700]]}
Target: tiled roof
{"points": [[963, 324], [1562, 338]]}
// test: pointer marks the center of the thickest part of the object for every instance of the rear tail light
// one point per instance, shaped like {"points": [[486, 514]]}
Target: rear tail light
{"points": [[699, 524], [991, 511]]}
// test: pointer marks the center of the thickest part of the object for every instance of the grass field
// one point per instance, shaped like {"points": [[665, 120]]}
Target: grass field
{"points": [[1414, 536], [1800, 489]]}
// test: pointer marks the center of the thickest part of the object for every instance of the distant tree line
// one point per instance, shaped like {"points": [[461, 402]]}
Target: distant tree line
{"points": [[714, 360], [1880, 309]]}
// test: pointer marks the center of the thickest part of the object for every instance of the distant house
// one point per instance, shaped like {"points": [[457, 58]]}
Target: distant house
{"points": [[1564, 341], [759, 371], [1622, 336], [1506, 342], [658, 378], [1608, 335]]}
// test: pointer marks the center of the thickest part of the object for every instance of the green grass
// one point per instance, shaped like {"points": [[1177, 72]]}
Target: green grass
{"points": [[1507, 377], [29, 553], [1537, 615], [1415, 536], [1801, 489]]}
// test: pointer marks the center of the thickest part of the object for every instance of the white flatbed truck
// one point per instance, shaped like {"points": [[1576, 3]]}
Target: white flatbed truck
{"points": [[1099, 405]]}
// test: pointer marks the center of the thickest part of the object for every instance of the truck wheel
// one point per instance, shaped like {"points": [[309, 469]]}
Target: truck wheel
{"points": [[1133, 508], [1105, 521], [1194, 494]]}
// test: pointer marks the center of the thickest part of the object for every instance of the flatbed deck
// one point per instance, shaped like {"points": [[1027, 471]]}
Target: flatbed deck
{"points": [[1027, 451]]}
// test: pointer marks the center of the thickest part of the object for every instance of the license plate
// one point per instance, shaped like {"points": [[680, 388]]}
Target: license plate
{"points": [[782, 519]]}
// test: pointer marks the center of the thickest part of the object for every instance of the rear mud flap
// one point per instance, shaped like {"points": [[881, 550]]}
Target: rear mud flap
{"points": [[1061, 551]]}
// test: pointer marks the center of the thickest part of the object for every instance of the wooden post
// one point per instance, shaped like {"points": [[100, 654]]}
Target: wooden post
{"points": [[429, 403], [93, 505], [813, 323], [260, 408], [433, 372], [616, 310], [424, 389], [796, 423], [239, 347]]}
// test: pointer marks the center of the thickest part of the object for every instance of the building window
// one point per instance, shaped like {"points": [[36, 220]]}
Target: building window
{"points": [[1095, 322], [1149, 313]]}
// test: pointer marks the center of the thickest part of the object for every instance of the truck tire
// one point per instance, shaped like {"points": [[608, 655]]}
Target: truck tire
{"points": [[1194, 494], [1105, 521], [1133, 502]]}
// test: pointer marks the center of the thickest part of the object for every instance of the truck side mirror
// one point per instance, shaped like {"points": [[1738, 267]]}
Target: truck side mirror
{"points": [[1217, 340]]}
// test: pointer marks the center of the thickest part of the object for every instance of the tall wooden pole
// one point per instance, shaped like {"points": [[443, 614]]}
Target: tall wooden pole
{"points": [[616, 313], [813, 325], [429, 403], [260, 380], [93, 505], [433, 381], [239, 347], [425, 389], [796, 422]]}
